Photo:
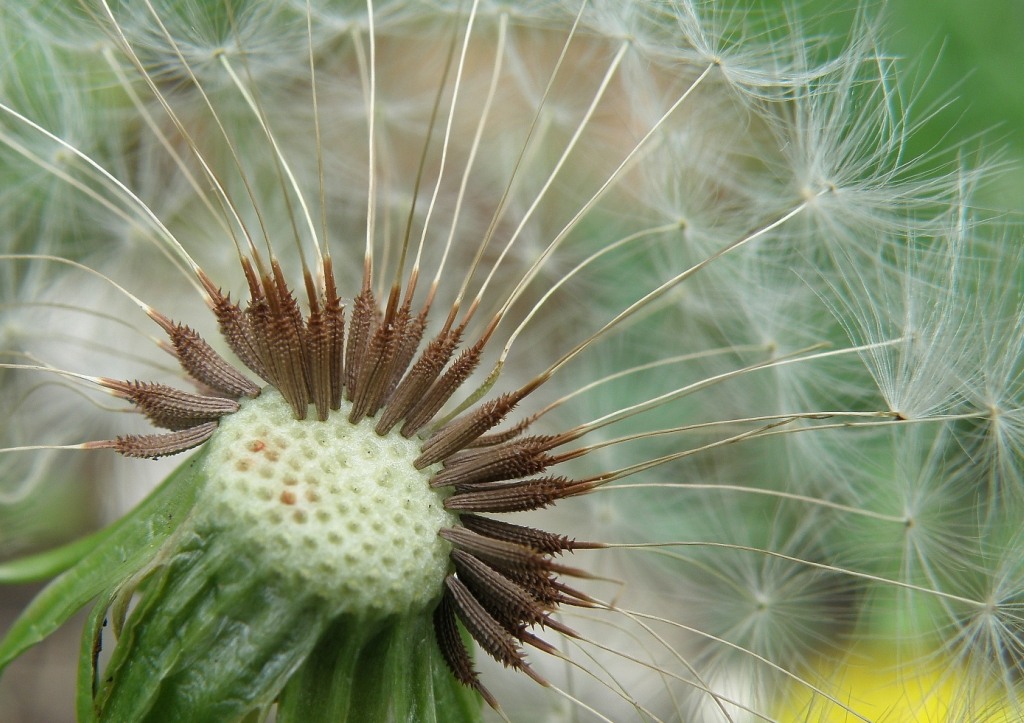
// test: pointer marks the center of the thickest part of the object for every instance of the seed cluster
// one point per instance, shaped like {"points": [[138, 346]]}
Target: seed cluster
{"points": [[375, 375]]}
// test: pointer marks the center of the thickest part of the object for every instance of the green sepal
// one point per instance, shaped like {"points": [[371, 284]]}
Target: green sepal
{"points": [[214, 637], [105, 560], [88, 657], [44, 565], [385, 670]]}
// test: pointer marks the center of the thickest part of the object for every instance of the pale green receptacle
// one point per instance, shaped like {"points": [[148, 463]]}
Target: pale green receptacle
{"points": [[334, 506]]}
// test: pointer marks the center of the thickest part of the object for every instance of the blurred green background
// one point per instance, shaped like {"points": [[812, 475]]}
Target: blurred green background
{"points": [[979, 48], [966, 56]]}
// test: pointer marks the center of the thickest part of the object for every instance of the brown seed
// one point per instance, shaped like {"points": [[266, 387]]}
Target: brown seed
{"points": [[462, 431], [510, 461], [203, 363], [364, 316], [509, 603], [235, 328], [453, 650], [518, 496], [441, 391], [413, 387], [172, 408], [539, 540], [153, 446], [487, 631]]}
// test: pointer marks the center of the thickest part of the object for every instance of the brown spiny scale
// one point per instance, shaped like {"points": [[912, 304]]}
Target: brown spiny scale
{"points": [[257, 319], [415, 384], [259, 302], [203, 363], [318, 338], [473, 455], [378, 364], [542, 586], [509, 603], [414, 331], [279, 343], [257, 306], [286, 302], [460, 432], [453, 650], [544, 542], [534, 444], [325, 339], [526, 637], [517, 496], [289, 369], [364, 319], [334, 316], [442, 389], [334, 312], [235, 328], [547, 589], [512, 461], [506, 557], [370, 380], [489, 440], [392, 365], [153, 446], [171, 408], [286, 343], [487, 631]]}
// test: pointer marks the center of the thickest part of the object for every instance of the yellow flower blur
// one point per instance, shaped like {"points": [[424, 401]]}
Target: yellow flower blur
{"points": [[873, 685]]}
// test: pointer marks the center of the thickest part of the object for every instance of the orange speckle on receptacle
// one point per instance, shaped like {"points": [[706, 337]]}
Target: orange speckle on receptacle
{"points": [[288, 497], [257, 445]]}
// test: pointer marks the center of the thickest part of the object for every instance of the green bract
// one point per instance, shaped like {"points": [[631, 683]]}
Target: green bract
{"points": [[220, 631]]}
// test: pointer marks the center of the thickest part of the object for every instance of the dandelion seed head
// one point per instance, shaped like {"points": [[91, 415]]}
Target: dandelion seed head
{"points": [[664, 278]]}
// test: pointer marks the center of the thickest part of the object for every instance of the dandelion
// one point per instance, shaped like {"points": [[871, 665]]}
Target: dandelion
{"points": [[617, 345]]}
